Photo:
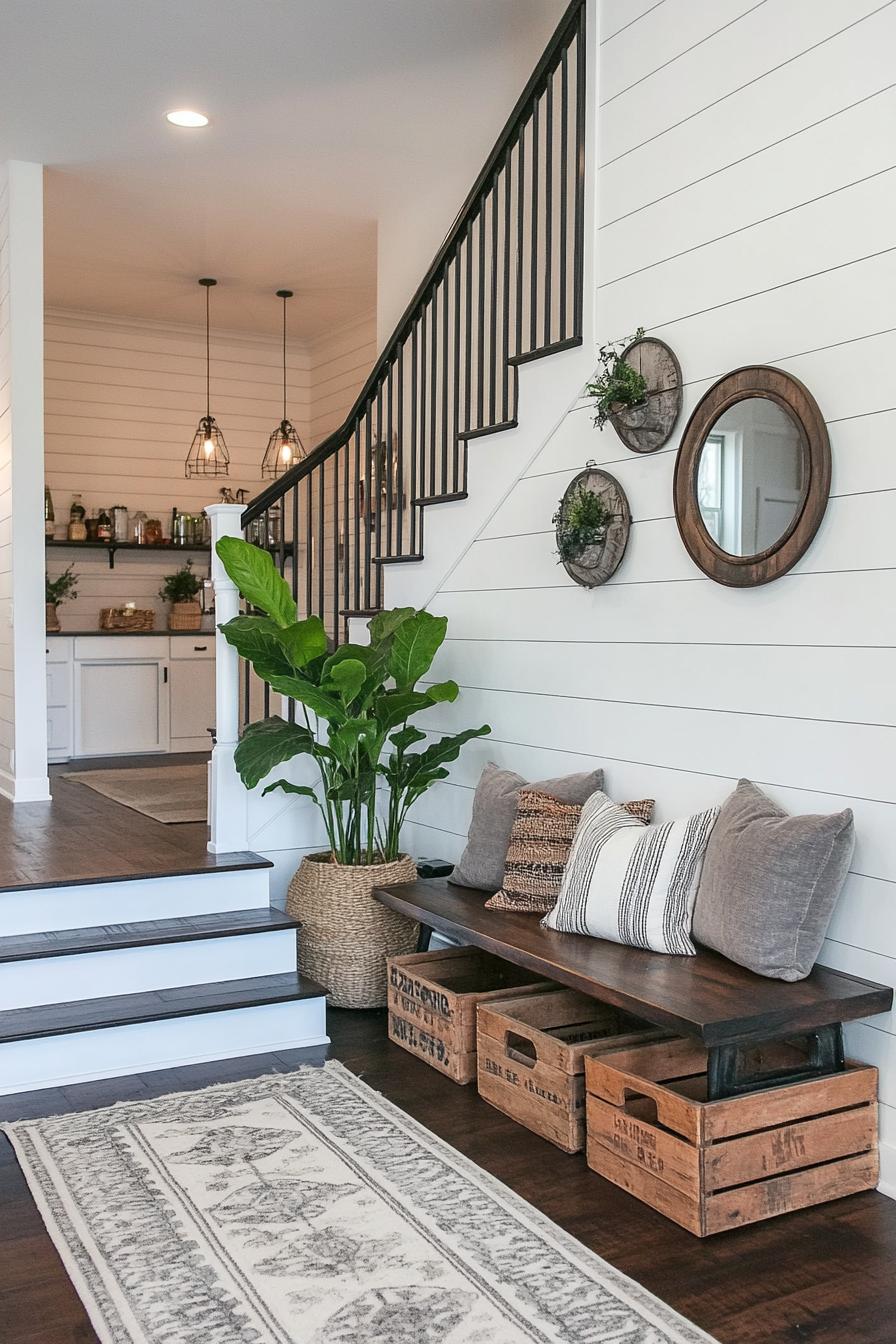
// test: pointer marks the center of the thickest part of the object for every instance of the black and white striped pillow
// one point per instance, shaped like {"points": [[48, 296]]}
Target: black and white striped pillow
{"points": [[632, 883]]}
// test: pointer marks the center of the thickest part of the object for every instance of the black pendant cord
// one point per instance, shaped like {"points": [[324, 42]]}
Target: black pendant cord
{"points": [[208, 359], [284, 294]]}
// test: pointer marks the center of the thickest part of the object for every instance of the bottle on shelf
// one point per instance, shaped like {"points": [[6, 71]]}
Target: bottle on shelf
{"points": [[49, 514], [77, 528], [103, 526]]}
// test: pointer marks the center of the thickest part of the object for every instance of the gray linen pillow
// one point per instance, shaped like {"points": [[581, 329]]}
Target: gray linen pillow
{"points": [[770, 883], [494, 812]]}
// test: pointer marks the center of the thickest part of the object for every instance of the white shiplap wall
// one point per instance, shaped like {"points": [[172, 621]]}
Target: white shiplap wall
{"points": [[747, 194], [338, 365]]}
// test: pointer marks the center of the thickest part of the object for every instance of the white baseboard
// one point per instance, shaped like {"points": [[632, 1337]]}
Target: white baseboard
{"points": [[112, 1052], [34, 789], [887, 1183]]}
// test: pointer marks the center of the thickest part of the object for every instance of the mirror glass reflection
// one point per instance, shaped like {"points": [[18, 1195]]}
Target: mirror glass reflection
{"points": [[751, 476]]}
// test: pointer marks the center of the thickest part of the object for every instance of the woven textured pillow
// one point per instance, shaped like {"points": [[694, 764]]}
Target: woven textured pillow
{"points": [[539, 849], [631, 883], [494, 809]]}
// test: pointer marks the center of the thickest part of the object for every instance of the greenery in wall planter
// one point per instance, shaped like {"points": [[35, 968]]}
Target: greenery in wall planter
{"points": [[354, 708], [59, 590], [617, 385], [581, 521]]}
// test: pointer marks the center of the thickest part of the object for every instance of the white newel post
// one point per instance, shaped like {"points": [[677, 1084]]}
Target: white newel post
{"points": [[228, 799]]}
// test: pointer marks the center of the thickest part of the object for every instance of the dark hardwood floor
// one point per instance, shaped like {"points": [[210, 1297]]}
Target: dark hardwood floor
{"points": [[80, 836], [824, 1276]]}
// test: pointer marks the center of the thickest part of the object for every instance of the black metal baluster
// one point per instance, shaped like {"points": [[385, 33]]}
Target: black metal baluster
{"points": [[505, 298], [468, 333], [345, 540], [399, 455], [579, 243], [434, 389], [480, 323], [309, 546], [389, 464], [520, 237], [455, 427], [493, 301], [564, 184], [446, 352], [533, 276], [335, 525], [369, 504], [414, 439], [548, 206], [321, 552], [423, 387], [379, 455], [355, 603]]}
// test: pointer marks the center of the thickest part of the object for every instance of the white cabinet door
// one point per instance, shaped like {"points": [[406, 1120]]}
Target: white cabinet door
{"points": [[121, 707], [192, 703]]}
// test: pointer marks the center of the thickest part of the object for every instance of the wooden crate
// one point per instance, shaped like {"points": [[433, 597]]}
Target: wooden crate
{"points": [[532, 1057], [432, 998], [715, 1165]]}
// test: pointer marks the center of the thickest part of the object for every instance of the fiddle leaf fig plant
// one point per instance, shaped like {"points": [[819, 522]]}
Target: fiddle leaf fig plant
{"points": [[355, 703], [617, 384]]}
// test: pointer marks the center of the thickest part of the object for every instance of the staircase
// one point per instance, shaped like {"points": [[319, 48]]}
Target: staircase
{"points": [[125, 976]]}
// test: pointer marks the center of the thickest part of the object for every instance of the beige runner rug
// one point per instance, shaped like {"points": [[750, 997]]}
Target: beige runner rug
{"points": [[303, 1208], [168, 793]]}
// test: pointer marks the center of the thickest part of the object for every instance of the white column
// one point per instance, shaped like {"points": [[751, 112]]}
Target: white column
{"points": [[228, 799], [23, 685]]}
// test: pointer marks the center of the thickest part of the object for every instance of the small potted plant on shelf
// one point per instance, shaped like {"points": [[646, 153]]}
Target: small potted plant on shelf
{"points": [[353, 706], [59, 590], [180, 590], [581, 522], [618, 388]]}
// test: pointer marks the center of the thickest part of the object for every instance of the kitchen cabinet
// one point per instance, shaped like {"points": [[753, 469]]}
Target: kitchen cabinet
{"points": [[127, 695]]}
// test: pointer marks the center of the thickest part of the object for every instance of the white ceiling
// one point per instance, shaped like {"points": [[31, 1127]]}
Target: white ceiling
{"points": [[324, 114]]}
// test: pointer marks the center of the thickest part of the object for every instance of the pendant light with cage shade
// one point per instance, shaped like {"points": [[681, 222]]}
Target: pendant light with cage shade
{"points": [[285, 448], [208, 455]]}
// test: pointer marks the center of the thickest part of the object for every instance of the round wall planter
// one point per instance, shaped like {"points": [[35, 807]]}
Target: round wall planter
{"points": [[597, 563], [648, 426], [346, 934]]}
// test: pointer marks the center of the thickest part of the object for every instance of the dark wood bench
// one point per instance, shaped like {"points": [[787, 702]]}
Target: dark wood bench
{"points": [[720, 1004]]}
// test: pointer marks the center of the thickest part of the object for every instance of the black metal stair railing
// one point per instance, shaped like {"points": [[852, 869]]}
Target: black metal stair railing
{"points": [[504, 288]]}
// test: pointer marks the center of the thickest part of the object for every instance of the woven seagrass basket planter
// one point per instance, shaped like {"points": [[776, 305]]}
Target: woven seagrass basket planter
{"points": [[346, 934], [185, 616]]}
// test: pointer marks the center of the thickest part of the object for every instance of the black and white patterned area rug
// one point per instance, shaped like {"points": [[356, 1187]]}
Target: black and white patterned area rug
{"points": [[304, 1207]]}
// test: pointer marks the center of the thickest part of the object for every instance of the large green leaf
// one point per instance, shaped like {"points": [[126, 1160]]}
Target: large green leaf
{"points": [[415, 644], [440, 752], [297, 688], [288, 787], [393, 707], [406, 737], [269, 743], [348, 677], [255, 638], [304, 641], [254, 573], [385, 623], [442, 692], [346, 739]]}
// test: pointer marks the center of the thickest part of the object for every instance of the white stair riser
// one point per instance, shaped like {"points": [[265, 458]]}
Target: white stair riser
{"points": [[80, 907], [131, 970], [58, 1061]]}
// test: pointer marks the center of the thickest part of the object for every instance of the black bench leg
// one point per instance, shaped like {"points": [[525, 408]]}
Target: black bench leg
{"points": [[423, 938], [728, 1076]]}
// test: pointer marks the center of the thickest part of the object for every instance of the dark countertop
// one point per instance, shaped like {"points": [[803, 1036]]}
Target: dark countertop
{"points": [[131, 634]]}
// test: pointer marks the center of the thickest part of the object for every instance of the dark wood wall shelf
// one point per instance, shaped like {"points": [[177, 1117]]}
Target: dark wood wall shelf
{"points": [[112, 546]]}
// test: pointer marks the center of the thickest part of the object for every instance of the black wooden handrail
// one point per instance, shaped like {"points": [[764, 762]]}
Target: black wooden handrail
{"points": [[572, 22]]}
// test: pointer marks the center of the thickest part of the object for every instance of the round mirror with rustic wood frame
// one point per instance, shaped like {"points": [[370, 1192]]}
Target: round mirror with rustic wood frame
{"points": [[746, 557]]}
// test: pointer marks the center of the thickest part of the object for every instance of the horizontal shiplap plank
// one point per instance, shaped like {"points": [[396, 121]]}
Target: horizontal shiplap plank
{"points": [[735, 57], [820, 84]]}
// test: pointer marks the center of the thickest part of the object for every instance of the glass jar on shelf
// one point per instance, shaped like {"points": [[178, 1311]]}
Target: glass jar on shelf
{"points": [[138, 528]]}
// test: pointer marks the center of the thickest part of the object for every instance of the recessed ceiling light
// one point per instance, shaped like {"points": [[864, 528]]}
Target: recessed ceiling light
{"points": [[184, 117]]}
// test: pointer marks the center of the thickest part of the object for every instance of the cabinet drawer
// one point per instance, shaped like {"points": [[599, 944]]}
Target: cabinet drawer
{"points": [[193, 646], [100, 647], [58, 650]]}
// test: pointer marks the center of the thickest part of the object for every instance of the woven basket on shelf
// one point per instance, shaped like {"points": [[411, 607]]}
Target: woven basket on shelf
{"points": [[127, 618], [185, 616], [346, 934]]}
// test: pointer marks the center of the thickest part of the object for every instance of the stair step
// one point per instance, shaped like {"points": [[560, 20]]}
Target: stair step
{"points": [[145, 933], [544, 350], [397, 559], [358, 613], [482, 430], [424, 500], [240, 861], [159, 1005]]}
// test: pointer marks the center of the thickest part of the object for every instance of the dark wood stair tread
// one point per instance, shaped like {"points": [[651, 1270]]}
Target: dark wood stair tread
{"points": [[121, 1010], [240, 861], [423, 501], [397, 559], [143, 933]]}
